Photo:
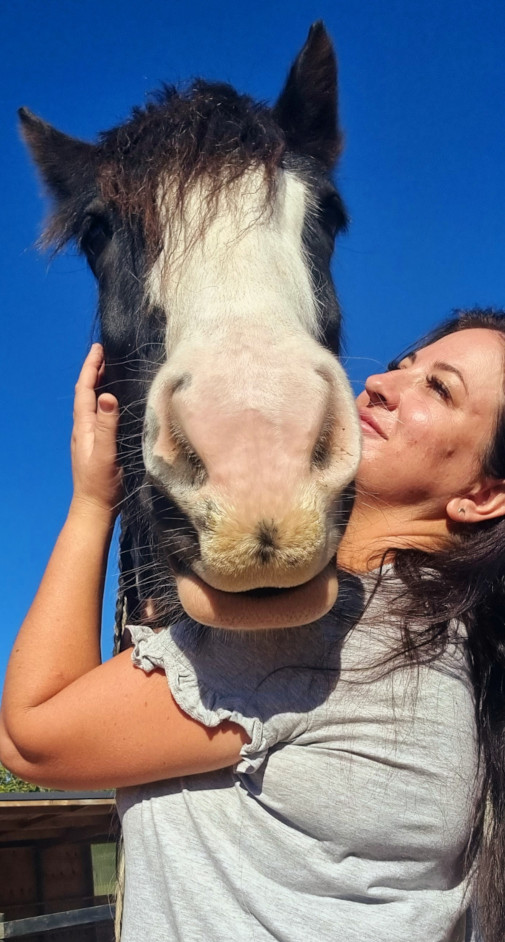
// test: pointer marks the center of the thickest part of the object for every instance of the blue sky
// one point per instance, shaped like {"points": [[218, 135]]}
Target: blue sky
{"points": [[423, 176]]}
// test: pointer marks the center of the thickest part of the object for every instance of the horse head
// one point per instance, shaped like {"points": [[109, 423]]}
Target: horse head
{"points": [[209, 220]]}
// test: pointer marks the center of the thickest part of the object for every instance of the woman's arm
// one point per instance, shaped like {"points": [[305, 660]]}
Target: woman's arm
{"points": [[67, 720]]}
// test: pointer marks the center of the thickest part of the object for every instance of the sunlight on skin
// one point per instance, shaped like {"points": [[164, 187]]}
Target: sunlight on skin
{"points": [[431, 421]]}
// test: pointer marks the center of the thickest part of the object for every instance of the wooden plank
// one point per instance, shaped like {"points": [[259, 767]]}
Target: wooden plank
{"points": [[18, 928], [57, 803], [63, 822], [20, 823], [77, 835], [28, 814]]}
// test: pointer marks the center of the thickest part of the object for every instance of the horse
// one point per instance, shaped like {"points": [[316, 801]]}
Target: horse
{"points": [[209, 220]]}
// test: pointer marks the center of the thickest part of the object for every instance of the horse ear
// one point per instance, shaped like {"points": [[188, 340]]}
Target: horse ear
{"points": [[64, 162], [307, 106]]}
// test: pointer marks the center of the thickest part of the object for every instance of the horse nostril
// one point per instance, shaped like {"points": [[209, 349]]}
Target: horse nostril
{"points": [[320, 458], [321, 454], [186, 461], [196, 469]]}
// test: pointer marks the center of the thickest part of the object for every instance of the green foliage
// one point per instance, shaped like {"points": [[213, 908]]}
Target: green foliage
{"points": [[11, 783]]}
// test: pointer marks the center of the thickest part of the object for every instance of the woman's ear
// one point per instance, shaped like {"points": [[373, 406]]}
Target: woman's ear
{"points": [[485, 502]]}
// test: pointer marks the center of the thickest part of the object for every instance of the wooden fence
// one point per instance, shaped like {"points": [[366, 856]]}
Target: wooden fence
{"points": [[57, 866]]}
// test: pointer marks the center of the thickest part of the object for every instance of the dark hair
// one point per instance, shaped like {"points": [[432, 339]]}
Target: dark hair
{"points": [[206, 130], [466, 581]]}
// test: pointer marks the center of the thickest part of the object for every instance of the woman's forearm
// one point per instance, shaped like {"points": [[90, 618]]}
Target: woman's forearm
{"points": [[59, 640], [67, 720]]}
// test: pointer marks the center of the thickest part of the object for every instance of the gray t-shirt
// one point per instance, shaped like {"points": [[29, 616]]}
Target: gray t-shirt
{"points": [[348, 813]]}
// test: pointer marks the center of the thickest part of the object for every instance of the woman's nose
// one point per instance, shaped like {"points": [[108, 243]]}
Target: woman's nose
{"points": [[383, 389]]}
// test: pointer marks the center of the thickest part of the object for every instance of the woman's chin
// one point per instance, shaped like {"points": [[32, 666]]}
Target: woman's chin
{"points": [[259, 609]]}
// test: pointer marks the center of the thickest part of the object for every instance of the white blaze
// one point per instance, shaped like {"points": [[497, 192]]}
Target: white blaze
{"points": [[246, 266], [246, 389]]}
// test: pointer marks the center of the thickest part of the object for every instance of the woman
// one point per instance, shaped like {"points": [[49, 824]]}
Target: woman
{"points": [[322, 782]]}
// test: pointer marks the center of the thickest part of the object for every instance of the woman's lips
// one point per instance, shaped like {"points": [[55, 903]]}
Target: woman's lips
{"points": [[288, 608], [369, 423]]}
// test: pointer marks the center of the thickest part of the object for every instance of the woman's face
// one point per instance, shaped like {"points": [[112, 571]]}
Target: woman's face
{"points": [[427, 425]]}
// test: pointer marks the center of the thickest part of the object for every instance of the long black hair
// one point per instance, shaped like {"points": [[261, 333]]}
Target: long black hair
{"points": [[466, 581]]}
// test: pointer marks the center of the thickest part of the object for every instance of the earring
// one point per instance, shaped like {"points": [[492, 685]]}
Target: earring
{"points": [[461, 510]]}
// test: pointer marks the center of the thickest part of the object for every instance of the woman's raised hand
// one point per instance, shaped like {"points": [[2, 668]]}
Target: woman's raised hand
{"points": [[97, 477]]}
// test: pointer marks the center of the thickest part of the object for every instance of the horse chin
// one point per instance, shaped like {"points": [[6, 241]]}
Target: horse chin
{"points": [[258, 609]]}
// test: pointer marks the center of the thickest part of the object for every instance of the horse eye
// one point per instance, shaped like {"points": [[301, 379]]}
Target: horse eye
{"points": [[95, 235], [333, 216]]}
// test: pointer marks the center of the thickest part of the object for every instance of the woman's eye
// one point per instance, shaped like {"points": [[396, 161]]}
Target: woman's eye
{"points": [[440, 388]]}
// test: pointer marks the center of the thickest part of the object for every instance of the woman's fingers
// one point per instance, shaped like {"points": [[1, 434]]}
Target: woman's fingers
{"points": [[107, 403], [85, 395], [97, 413], [94, 451], [107, 417]]}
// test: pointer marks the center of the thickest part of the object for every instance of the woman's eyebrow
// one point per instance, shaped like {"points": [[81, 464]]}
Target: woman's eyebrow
{"points": [[396, 364]]}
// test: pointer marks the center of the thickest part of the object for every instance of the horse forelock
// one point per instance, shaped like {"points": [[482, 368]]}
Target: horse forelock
{"points": [[205, 131]]}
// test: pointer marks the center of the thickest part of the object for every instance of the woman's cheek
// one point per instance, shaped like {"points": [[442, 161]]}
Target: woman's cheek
{"points": [[420, 427]]}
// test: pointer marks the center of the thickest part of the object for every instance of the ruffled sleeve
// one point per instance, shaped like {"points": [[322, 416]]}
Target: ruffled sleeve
{"points": [[260, 680]]}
